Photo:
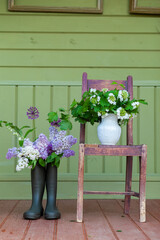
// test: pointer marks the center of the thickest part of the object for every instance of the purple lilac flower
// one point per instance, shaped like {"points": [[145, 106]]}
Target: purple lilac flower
{"points": [[68, 153], [52, 132], [12, 152], [70, 140], [41, 144], [57, 145], [32, 113], [27, 142], [56, 123], [49, 149]]}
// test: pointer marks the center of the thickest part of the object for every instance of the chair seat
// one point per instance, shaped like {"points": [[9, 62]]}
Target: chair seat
{"points": [[113, 150]]}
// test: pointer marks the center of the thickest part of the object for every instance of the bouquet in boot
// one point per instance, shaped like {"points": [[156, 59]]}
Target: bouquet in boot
{"points": [[42, 150], [43, 157]]}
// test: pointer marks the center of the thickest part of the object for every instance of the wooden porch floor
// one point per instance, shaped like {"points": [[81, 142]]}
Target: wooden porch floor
{"points": [[103, 220]]}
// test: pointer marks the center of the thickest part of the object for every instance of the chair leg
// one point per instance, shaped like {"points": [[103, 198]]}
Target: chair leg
{"points": [[128, 183], [80, 184], [142, 185]]}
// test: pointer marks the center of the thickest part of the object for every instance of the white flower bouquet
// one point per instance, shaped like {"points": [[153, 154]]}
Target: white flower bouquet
{"points": [[96, 104]]}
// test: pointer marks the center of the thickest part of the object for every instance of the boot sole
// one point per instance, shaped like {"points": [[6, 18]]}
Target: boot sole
{"points": [[35, 217], [49, 217]]}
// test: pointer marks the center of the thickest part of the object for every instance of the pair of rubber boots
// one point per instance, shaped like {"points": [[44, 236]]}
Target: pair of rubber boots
{"points": [[40, 177]]}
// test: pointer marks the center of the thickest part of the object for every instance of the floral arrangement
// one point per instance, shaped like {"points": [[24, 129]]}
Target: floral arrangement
{"points": [[96, 105], [42, 149]]}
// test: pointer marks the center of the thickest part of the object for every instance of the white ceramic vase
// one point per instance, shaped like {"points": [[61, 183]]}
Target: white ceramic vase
{"points": [[108, 130]]}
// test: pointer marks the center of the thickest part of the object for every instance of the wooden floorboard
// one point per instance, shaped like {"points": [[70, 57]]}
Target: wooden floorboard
{"points": [[103, 220]]}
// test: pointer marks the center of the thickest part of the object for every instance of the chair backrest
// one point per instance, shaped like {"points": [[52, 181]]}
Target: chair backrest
{"points": [[100, 84]]}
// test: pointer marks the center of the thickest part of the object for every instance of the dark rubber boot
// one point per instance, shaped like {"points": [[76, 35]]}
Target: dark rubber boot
{"points": [[38, 185], [51, 211]]}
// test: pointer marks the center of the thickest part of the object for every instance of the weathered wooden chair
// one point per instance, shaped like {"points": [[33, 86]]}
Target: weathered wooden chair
{"points": [[128, 150]]}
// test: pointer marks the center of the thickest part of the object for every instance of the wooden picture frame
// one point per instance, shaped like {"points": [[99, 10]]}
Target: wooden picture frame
{"points": [[143, 10], [25, 8]]}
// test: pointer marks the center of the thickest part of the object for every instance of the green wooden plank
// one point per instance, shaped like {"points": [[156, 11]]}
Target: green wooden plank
{"points": [[79, 58], [7, 140], [72, 177], [71, 76], [75, 93], [68, 190], [59, 98], [79, 41], [146, 126], [157, 128], [25, 101], [93, 164], [25, 96], [116, 8], [43, 102], [77, 23]]}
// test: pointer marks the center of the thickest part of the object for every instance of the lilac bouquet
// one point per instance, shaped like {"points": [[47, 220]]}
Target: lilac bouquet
{"points": [[42, 149]]}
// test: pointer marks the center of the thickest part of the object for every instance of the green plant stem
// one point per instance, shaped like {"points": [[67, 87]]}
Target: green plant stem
{"points": [[34, 132]]}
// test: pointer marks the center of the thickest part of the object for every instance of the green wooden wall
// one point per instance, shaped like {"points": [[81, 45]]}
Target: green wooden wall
{"points": [[42, 58]]}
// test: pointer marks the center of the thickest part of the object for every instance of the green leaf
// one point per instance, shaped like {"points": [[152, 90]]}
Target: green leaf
{"points": [[121, 85], [51, 158], [103, 101], [57, 161], [29, 131], [113, 83], [73, 104], [62, 110], [143, 101], [21, 143], [64, 116], [52, 116], [42, 162], [96, 108], [24, 127], [65, 125], [0, 123], [85, 94], [54, 155]]}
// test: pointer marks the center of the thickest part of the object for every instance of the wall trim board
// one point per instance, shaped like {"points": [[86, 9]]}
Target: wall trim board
{"points": [[68, 190], [136, 83], [71, 177]]}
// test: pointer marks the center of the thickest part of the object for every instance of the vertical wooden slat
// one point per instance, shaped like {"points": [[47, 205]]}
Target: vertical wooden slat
{"points": [[60, 100], [42, 102], [93, 164], [157, 129], [25, 98], [146, 117], [25, 101], [75, 93], [7, 140]]}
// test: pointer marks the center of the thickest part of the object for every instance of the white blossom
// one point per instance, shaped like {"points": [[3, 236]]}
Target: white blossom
{"points": [[122, 114], [111, 99], [135, 105], [92, 90], [123, 95]]}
